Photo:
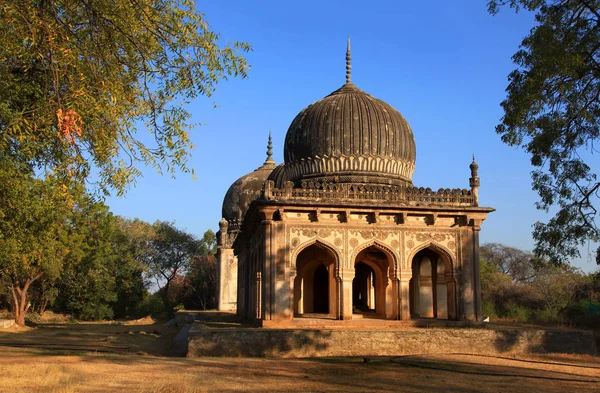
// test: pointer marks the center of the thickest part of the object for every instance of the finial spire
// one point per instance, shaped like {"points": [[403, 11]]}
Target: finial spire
{"points": [[269, 150], [348, 63]]}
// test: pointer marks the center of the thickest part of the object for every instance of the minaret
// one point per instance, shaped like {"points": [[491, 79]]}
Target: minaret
{"points": [[474, 182], [348, 64]]}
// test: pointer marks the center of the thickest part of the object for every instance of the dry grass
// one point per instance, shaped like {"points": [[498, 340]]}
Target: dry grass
{"points": [[66, 358], [132, 373], [154, 339]]}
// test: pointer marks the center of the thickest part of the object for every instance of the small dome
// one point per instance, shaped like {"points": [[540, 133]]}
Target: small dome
{"points": [[350, 137], [246, 189], [241, 193]]}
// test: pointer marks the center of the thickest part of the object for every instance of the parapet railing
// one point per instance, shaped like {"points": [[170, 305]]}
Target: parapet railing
{"points": [[363, 192]]}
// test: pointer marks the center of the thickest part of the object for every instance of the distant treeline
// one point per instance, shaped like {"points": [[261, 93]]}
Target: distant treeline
{"points": [[62, 249], [518, 286]]}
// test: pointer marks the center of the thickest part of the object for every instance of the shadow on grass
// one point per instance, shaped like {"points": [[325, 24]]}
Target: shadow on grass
{"points": [[93, 337], [407, 374]]}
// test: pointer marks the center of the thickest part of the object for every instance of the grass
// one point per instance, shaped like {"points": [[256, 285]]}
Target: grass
{"points": [[100, 337], [108, 357]]}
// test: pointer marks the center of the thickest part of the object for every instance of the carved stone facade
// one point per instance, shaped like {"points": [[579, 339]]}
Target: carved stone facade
{"points": [[339, 231]]}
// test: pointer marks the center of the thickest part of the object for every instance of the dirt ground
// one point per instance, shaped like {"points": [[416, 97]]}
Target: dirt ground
{"points": [[131, 358]]}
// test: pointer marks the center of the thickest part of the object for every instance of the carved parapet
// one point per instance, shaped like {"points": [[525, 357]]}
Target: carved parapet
{"points": [[391, 194]]}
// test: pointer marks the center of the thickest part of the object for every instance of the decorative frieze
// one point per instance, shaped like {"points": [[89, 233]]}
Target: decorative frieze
{"points": [[385, 194]]}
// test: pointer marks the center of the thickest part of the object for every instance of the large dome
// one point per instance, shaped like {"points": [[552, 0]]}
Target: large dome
{"points": [[350, 137]]}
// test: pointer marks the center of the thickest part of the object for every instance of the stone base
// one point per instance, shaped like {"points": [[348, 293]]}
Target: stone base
{"points": [[257, 342]]}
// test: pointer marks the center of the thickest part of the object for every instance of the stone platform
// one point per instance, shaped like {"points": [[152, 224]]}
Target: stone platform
{"points": [[224, 336]]}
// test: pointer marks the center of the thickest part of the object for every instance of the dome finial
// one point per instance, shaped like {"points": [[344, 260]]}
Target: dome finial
{"points": [[269, 150], [474, 166], [348, 64]]}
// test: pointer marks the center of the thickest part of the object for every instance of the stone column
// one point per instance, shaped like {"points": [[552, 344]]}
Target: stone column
{"points": [[222, 265], [451, 288], [476, 273], [258, 311], [345, 297], [404, 293], [227, 280], [268, 264], [391, 298]]}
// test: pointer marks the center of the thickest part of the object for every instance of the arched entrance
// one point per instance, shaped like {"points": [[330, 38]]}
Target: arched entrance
{"points": [[321, 290], [363, 288], [315, 286], [432, 289], [372, 295]]}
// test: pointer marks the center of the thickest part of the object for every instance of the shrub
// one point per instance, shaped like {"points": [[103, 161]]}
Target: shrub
{"points": [[95, 312], [517, 313], [488, 309], [151, 305], [583, 313]]}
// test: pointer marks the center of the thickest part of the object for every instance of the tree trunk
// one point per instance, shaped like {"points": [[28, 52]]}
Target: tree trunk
{"points": [[43, 306], [20, 302], [167, 303]]}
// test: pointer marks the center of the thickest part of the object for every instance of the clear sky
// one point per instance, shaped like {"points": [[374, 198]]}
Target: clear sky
{"points": [[442, 64]]}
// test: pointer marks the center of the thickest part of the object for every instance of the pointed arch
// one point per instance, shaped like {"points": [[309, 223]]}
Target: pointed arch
{"points": [[385, 270], [315, 285], [321, 243], [432, 292], [394, 257], [449, 260]]}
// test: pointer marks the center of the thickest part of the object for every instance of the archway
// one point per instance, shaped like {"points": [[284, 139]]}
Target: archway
{"points": [[432, 289], [371, 294], [363, 288], [321, 290], [315, 286]]}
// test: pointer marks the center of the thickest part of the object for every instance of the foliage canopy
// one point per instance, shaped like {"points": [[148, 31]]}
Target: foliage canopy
{"points": [[552, 110], [79, 77]]}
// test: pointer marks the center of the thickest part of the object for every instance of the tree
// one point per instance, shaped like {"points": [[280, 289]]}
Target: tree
{"points": [[201, 278], [506, 275], [552, 110], [32, 231], [521, 266], [43, 294], [557, 286], [101, 279], [518, 286], [78, 77], [208, 244], [169, 257]]}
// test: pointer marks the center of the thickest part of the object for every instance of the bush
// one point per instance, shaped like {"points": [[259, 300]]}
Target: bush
{"points": [[584, 314], [95, 312], [488, 309], [151, 305], [517, 313], [547, 316]]}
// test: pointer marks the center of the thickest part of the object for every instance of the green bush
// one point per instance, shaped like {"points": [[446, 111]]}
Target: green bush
{"points": [[546, 316], [95, 312], [584, 314], [488, 309], [517, 313], [151, 305]]}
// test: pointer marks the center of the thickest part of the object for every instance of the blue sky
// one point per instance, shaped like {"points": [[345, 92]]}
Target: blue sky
{"points": [[443, 65]]}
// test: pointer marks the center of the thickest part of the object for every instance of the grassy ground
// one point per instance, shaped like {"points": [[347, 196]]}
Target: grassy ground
{"points": [[105, 357]]}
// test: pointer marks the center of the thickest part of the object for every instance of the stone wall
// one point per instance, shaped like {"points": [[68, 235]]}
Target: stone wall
{"points": [[317, 343]]}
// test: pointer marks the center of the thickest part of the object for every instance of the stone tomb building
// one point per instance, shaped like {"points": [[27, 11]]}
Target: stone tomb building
{"points": [[338, 231]]}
